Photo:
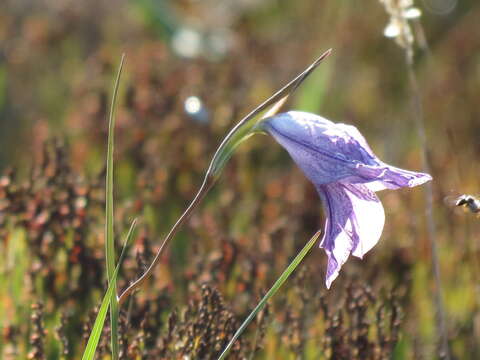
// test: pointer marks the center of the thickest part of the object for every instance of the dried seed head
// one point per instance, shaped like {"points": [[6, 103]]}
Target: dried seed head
{"points": [[37, 334], [398, 28]]}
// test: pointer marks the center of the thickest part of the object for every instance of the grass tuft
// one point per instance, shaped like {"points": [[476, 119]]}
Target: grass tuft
{"points": [[94, 337], [109, 231]]}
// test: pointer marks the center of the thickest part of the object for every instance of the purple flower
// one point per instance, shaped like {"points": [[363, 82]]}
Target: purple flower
{"points": [[346, 174]]}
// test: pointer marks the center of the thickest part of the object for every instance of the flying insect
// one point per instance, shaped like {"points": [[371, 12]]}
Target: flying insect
{"points": [[470, 202], [467, 201]]}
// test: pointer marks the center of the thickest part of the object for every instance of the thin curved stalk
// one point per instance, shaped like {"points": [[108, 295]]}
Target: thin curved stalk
{"points": [[440, 315], [206, 186], [240, 132], [229, 143]]}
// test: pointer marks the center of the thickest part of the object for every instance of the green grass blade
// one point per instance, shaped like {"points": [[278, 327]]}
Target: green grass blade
{"points": [[109, 234], [288, 271], [94, 337]]}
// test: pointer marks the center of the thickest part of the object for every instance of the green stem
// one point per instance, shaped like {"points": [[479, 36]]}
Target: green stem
{"points": [[239, 133], [94, 337], [206, 186], [280, 281], [246, 127]]}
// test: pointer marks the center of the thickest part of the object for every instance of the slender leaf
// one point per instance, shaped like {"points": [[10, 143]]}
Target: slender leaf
{"points": [[94, 337], [109, 233], [288, 271]]}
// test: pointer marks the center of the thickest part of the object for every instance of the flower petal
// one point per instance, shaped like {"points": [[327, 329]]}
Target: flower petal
{"points": [[326, 152], [346, 173], [353, 132], [354, 223], [329, 152], [389, 177]]}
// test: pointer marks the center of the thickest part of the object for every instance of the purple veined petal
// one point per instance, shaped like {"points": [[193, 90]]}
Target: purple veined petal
{"points": [[346, 173], [315, 133], [324, 151], [354, 223], [357, 137], [390, 177], [328, 152]]}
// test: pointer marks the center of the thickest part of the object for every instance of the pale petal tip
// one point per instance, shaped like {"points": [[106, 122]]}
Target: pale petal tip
{"points": [[330, 278], [421, 179], [358, 254], [333, 269]]}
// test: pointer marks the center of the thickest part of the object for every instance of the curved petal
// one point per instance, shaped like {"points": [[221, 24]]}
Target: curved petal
{"points": [[353, 132], [328, 152], [346, 172], [354, 223], [390, 177], [324, 151]]}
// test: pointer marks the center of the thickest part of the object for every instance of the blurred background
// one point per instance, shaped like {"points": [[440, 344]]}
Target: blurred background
{"points": [[193, 69]]}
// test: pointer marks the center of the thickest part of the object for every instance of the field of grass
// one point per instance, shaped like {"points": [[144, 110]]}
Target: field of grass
{"points": [[58, 60]]}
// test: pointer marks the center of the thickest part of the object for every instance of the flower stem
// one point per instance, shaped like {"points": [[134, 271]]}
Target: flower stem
{"points": [[441, 318], [244, 127], [206, 186], [240, 132]]}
